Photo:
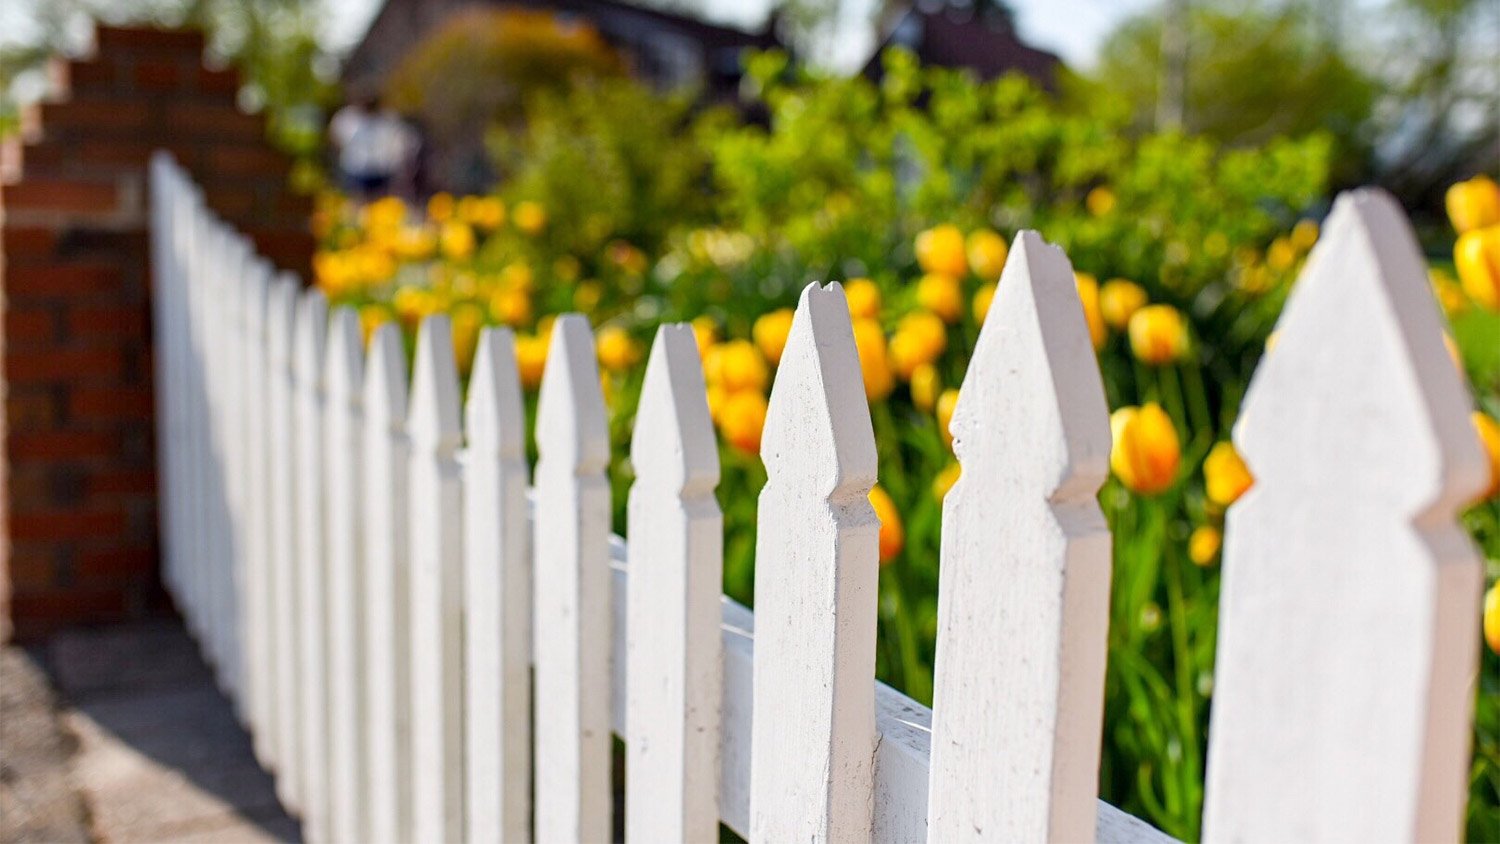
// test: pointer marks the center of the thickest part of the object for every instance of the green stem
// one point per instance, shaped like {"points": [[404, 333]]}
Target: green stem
{"points": [[1185, 698]]}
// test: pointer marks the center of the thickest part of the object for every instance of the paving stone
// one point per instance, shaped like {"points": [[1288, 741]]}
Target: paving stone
{"points": [[37, 800], [134, 657]]}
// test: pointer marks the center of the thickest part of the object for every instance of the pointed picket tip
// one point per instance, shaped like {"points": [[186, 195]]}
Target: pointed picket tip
{"points": [[673, 443], [1361, 384], [818, 435], [385, 378], [494, 417], [1032, 403], [343, 365], [571, 427], [434, 419]]}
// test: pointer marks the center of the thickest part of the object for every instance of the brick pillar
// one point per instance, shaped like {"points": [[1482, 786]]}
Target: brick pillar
{"points": [[78, 511]]}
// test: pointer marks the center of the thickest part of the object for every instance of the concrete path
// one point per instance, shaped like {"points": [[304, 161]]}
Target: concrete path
{"points": [[159, 755]]}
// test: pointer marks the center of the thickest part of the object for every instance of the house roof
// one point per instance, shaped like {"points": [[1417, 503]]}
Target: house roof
{"points": [[985, 42]]}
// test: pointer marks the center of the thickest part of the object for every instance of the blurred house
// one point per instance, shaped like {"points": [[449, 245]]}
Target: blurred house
{"points": [[979, 35], [665, 49]]}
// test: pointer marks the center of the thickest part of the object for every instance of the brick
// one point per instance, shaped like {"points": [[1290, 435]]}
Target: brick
{"points": [[52, 445], [109, 482], [95, 116], [83, 197], [67, 524], [30, 327], [157, 76], [256, 160], [33, 569], [224, 83], [90, 76], [62, 365], [107, 322], [116, 564], [111, 403], [62, 281], [114, 154], [24, 243], [113, 38], [32, 410], [231, 202], [217, 122], [39, 613]]}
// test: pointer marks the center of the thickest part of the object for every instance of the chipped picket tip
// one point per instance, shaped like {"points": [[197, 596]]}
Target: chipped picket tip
{"points": [[436, 589], [387, 629], [572, 592], [1349, 588], [497, 598], [675, 558], [1023, 608], [817, 557]]}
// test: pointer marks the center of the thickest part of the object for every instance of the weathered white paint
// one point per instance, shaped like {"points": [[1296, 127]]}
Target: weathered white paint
{"points": [[497, 596], [816, 565], [1347, 633], [674, 677], [280, 319], [572, 602], [436, 589], [310, 522], [387, 601], [343, 424], [1023, 604]]}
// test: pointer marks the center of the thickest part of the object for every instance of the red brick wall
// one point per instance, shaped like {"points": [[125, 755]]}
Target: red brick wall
{"points": [[78, 510]]}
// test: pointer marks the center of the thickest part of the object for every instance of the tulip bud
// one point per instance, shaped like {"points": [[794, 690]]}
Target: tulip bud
{"points": [[1158, 334], [1474, 204], [1477, 257], [1146, 450]]}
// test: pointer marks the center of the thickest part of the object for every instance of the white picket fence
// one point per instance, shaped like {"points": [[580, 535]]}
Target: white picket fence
{"points": [[375, 582]]}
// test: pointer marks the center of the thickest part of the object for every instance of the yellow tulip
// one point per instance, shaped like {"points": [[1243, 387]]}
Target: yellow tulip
{"points": [[1305, 234], [941, 250], [510, 307], [945, 481], [413, 303], [371, 317], [1448, 292], [440, 207], [945, 406], [1100, 201], [1492, 618], [1088, 294], [1225, 475], [942, 295], [530, 218], [1489, 437], [987, 251], [706, 333], [983, 298], [1281, 254], [869, 339], [892, 532], [736, 366], [1146, 450], [1119, 299], [742, 418], [863, 297], [1474, 204], [1203, 544], [457, 240], [770, 332], [466, 324], [487, 212], [531, 359], [385, 213], [617, 351], [586, 295], [1477, 256], [1158, 334], [924, 386], [920, 338]]}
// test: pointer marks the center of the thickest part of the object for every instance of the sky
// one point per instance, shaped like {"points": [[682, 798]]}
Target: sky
{"points": [[1073, 29]]}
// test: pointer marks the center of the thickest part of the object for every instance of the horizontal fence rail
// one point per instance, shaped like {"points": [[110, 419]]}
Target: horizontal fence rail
{"points": [[430, 642]]}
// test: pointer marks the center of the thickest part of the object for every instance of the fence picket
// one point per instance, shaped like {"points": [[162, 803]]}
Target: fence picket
{"points": [[309, 346], [572, 593], [1347, 634], [436, 589], [497, 595], [260, 596], [342, 426], [816, 562], [1023, 609], [280, 326], [387, 632], [674, 675]]}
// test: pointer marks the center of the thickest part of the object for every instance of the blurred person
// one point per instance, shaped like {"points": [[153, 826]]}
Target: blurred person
{"points": [[374, 146]]}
